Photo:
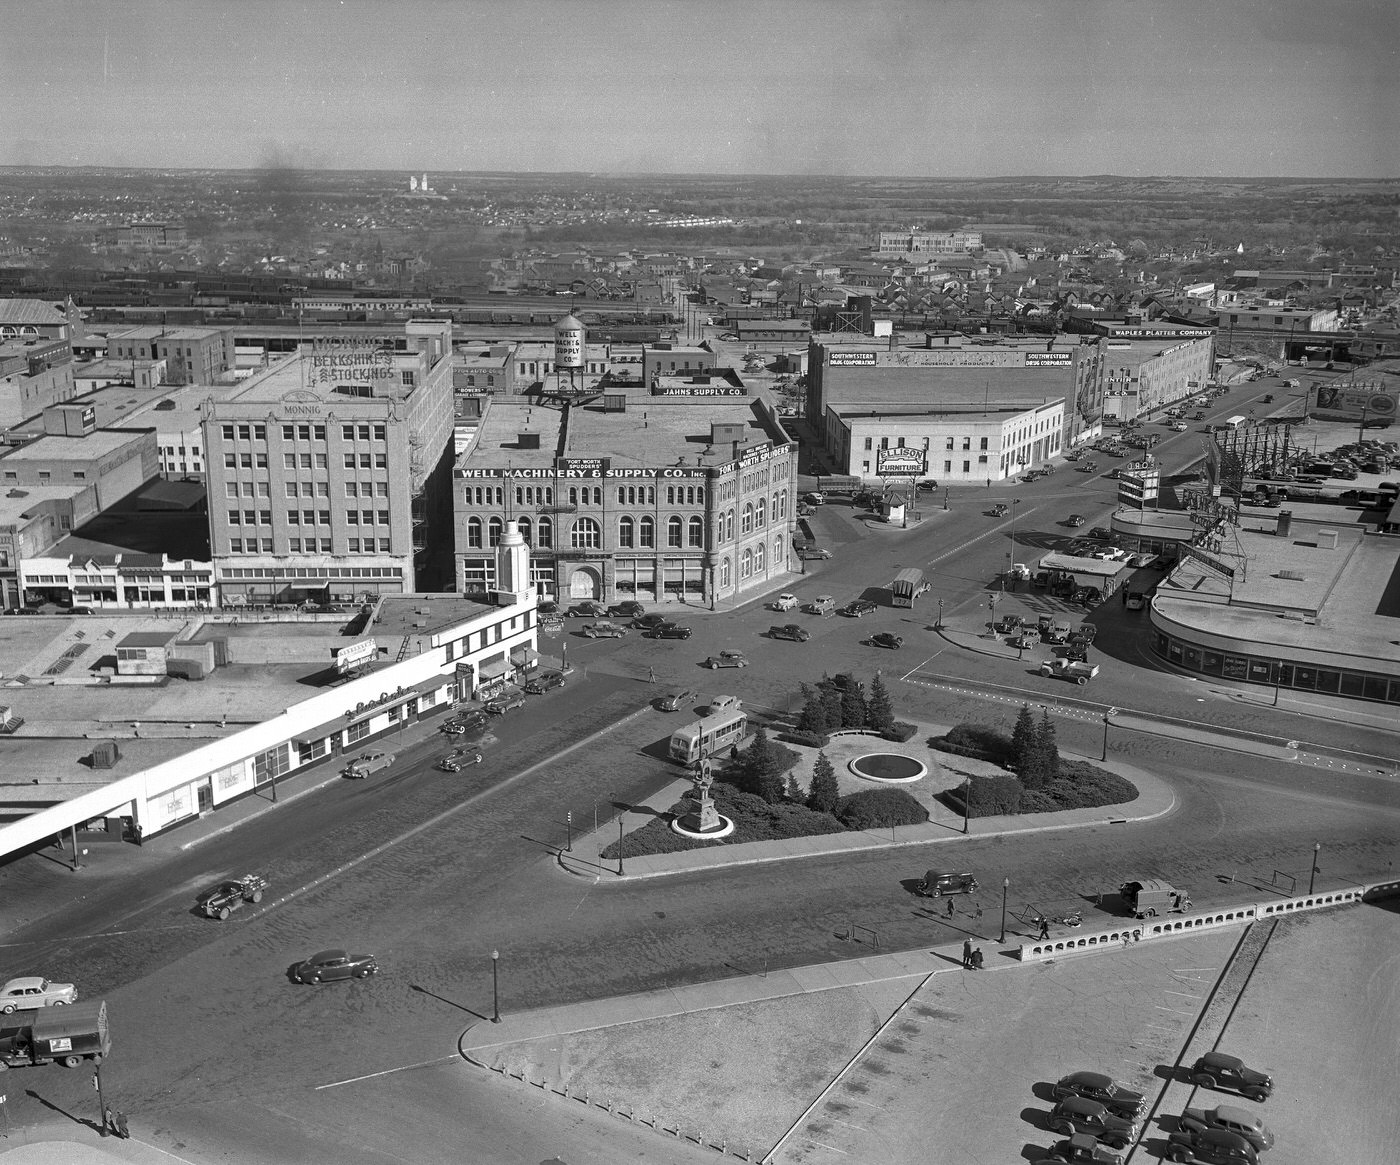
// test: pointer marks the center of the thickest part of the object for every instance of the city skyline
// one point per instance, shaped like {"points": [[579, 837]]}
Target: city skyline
{"points": [[888, 87]]}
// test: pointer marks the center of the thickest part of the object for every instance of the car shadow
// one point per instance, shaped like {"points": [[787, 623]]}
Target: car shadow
{"points": [[1037, 1118], [1031, 1152], [1043, 1090]]}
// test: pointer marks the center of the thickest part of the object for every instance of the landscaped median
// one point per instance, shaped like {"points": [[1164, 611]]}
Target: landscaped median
{"points": [[857, 780]]}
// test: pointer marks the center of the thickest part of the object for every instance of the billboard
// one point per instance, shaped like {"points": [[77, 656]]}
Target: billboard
{"points": [[837, 359], [1352, 402], [354, 654], [903, 462]]}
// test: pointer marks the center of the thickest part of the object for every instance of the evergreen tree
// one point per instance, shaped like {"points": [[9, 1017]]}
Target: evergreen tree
{"points": [[852, 709], [831, 704], [814, 716], [794, 791], [1023, 742], [825, 793], [1047, 748], [760, 769], [879, 710]]}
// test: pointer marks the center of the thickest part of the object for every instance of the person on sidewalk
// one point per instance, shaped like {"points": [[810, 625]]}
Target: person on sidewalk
{"points": [[1044, 928], [951, 908], [967, 953], [977, 959]]}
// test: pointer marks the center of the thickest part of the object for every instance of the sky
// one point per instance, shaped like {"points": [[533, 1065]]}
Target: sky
{"points": [[924, 88]]}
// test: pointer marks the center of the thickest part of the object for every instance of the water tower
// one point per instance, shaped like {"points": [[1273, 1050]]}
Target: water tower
{"points": [[569, 336]]}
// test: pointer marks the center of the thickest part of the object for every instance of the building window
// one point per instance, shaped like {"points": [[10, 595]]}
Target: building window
{"points": [[725, 581], [746, 525], [523, 524], [983, 445], [494, 528], [586, 535], [626, 537], [546, 534], [674, 531], [474, 533], [758, 555], [949, 445], [967, 466], [646, 532], [760, 513], [697, 532], [745, 565], [869, 444]]}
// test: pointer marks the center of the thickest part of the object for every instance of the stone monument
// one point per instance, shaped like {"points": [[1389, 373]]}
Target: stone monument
{"points": [[706, 817]]}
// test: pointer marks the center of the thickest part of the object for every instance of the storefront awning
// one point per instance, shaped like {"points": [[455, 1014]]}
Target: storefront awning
{"points": [[495, 669], [524, 655]]}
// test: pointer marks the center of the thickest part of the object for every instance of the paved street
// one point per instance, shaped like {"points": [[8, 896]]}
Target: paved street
{"points": [[433, 871]]}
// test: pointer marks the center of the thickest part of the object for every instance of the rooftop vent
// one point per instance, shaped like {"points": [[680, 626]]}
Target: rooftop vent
{"points": [[1292, 575]]}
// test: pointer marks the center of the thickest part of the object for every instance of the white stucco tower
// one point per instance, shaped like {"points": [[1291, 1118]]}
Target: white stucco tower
{"points": [[513, 568]]}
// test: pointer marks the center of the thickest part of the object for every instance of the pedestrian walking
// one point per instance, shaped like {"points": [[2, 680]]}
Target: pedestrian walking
{"points": [[1044, 929], [651, 675], [951, 908], [967, 953], [109, 1121], [119, 1124], [978, 913]]}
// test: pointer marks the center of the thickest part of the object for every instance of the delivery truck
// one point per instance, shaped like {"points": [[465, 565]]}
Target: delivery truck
{"points": [[68, 1035], [1147, 897], [908, 585]]}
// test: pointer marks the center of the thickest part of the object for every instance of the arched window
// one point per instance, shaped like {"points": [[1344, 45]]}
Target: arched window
{"points": [[697, 531], [546, 535], [729, 525], [699, 495], [777, 550], [549, 495], [646, 532], [675, 529], [725, 579], [524, 524], [519, 494], [586, 535], [597, 495], [573, 495], [746, 523], [760, 513], [474, 533], [746, 565], [621, 495], [626, 533], [758, 554], [670, 495], [493, 531]]}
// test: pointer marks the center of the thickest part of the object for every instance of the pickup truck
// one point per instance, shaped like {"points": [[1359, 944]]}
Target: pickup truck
{"points": [[228, 896], [1070, 669]]}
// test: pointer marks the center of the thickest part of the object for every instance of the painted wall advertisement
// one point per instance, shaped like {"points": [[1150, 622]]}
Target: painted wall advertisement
{"points": [[904, 462], [1352, 402]]}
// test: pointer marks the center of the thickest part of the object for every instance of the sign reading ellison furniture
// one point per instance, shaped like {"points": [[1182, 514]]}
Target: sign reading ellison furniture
{"points": [[901, 462]]}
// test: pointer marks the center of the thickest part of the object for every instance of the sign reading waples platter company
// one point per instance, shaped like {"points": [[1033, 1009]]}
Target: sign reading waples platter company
{"points": [[904, 462], [354, 653]]}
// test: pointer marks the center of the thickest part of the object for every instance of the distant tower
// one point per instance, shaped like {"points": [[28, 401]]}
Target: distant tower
{"points": [[412, 184], [568, 347], [423, 185], [512, 567]]}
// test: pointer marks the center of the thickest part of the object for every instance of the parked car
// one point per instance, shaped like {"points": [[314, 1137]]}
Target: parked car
{"points": [[1074, 1114], [1097, 1086], [676, 700], [232, 894], [887, 639], [1210, 1147], [646, 622], [1218, 1070], [603, 630], [858, 607], [1080, 1149], [627, 610], [669, 631], [1101, 534], [1024, 640], [927, 484], [813, 552], [35, 991], [458, 759], [544, 682], [790, 631], [1232, 1120], [814, 498], [325, 966], [842, 682], [784, 602], [936, 884], [726, 659], [466, 723], [503, 704], [588, 609], [1075, 520], [366, 763]]}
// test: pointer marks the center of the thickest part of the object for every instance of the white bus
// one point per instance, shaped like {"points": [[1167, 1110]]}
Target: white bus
{"points": [[708, 736]]}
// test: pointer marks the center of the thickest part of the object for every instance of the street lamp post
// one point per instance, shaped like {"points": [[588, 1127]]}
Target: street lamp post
{"points": [[1312, 874], [1107, 714], [939, 625], [1005, 886], [495, 987], [619, 846], [967, 793], [945, 497], [569, 825]]}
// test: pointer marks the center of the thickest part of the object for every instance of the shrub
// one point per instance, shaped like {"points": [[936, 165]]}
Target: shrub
{"points": [[899, 732], [994, 796], [880, 808], [980, 740], [810, 739]]}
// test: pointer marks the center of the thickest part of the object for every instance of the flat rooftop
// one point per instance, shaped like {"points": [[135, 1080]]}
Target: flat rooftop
{"points": [[1343, 602], [53, 447], [13, 508]]}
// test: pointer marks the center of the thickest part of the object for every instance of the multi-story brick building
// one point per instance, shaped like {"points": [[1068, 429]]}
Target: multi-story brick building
{"points": [[330, 473], [681, 490], [1149, 366], [190, 355]]}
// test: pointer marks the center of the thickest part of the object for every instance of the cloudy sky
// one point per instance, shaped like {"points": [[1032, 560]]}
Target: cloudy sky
{"points": [[917, 87]]}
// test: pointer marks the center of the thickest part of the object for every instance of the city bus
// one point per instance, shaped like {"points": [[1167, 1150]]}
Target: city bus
{"points": [[708, 735]]}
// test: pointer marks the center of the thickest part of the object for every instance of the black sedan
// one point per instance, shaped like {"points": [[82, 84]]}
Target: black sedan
{"points": [[669, 631], [627, 610], [324, 966], [886, 639], [858, 607]]}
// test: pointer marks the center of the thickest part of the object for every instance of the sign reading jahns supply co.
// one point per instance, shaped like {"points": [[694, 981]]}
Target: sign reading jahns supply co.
{"points": [[902, 462]]}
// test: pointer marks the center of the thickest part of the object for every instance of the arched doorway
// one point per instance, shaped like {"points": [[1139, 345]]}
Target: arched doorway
{"points": [[584, 583]]}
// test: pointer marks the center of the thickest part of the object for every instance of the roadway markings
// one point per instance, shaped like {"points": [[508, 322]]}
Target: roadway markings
{"points": [[389, 1072]]}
